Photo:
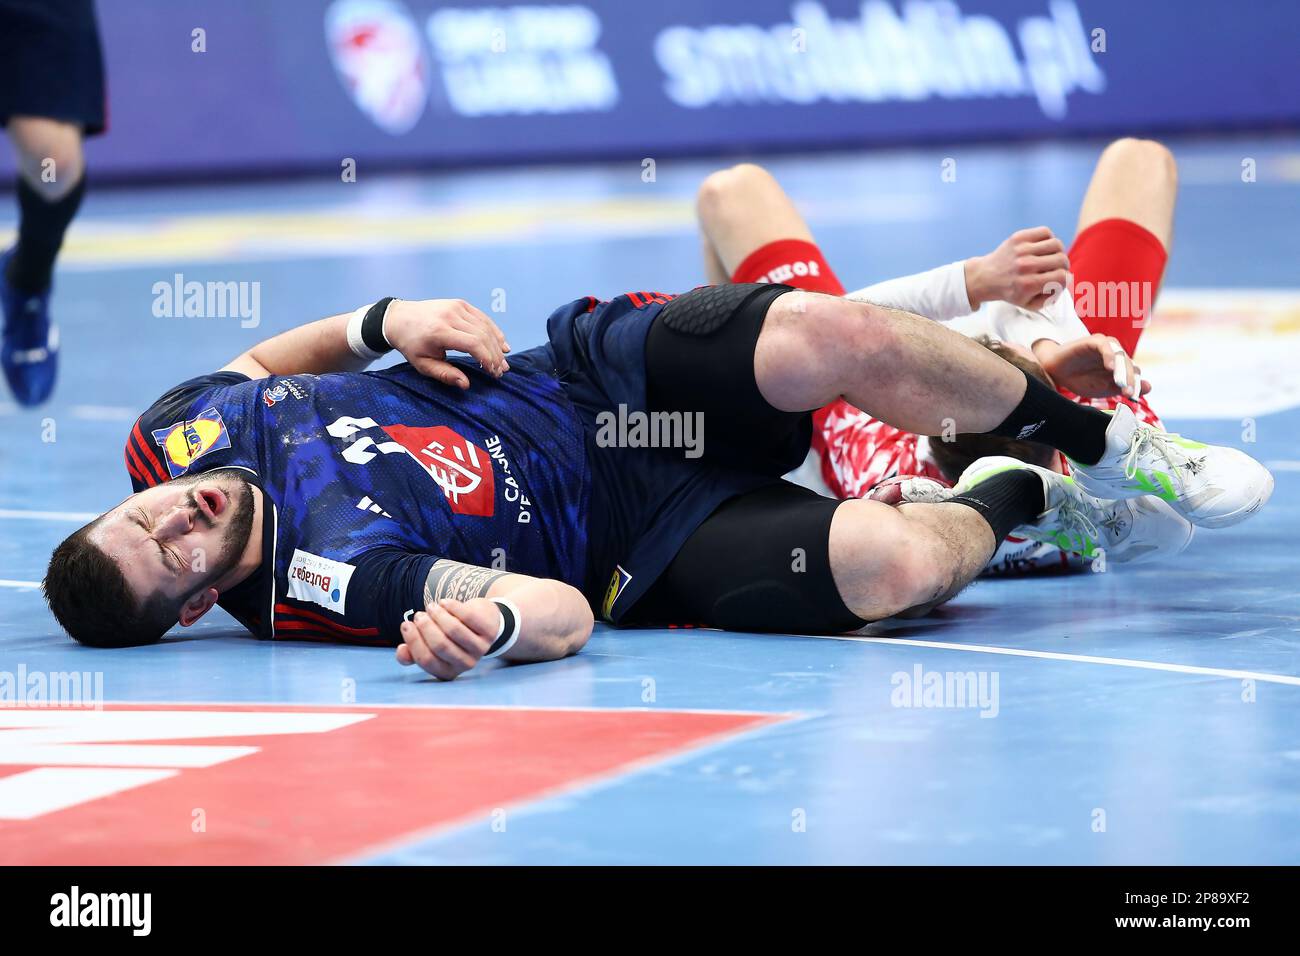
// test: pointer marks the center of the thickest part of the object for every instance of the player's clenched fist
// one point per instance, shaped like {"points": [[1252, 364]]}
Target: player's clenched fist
{"points": [[425, 331], [1026, 270], [449, 637]]}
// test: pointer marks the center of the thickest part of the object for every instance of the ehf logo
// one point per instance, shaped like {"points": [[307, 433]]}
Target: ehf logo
{"points": [[376, 49], [276, 393]]}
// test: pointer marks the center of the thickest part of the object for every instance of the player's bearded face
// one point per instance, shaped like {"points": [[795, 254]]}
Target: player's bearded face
{"points": [[183, 535]]}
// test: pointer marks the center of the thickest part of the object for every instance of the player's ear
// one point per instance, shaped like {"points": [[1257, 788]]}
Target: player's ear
{"points": [[197, 606]]}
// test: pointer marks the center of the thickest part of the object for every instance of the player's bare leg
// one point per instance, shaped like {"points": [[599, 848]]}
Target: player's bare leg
{"points": [[714, 272], [1135, 179], [814, 349], [904, 369], [734, 229], [50, 157], [888, 560]]}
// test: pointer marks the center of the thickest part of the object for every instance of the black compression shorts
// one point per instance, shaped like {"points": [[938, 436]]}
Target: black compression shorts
{"points": [[699, 357], [761, 560]]}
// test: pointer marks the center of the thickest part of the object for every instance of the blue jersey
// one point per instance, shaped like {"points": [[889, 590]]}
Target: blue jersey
{"points": [[374, 476], [371, 477]]}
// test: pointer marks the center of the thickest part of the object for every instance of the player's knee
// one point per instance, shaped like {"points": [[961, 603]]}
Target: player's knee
{"points": [[840, 332], [53, 166], [720, 190], [1145, 159], [908, 569], [923, 575]]}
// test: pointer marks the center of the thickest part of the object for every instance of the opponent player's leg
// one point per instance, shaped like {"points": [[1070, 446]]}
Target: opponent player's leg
{"points": [[51, 182], [741, 210], [1137, 180], [922, 377], [909, 371], [714, 272], [1123, 238]]}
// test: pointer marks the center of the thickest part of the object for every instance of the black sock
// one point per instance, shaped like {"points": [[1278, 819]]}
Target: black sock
{"points": [[1049, 418], [40, 234], [1006, 500]]}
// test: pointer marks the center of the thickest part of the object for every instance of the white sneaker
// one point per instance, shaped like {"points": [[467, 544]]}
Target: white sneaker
{"points": [[1128, 531], [1210, 485]]}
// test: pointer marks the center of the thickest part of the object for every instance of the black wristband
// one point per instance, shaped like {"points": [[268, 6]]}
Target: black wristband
{"points": [[372, 327], [507, 629]]}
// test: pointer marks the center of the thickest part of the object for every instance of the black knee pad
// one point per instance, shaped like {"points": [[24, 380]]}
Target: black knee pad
{"points": [[707, 309]]}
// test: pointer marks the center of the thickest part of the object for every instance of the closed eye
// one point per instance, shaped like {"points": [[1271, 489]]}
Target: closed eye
{"points": [[170, 560], [174, 564]]}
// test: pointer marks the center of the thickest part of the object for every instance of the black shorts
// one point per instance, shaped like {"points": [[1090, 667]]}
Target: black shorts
{"points": [[699, 358], [761, 560], [50, 62], [687, 513]]}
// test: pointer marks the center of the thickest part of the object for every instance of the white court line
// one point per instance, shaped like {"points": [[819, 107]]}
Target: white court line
{"points": [[1282, 465], [5, 583], [1078, 659], [82, 516]]}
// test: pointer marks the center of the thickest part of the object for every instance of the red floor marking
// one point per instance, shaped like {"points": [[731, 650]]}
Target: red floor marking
{"points": [[314, 798]]}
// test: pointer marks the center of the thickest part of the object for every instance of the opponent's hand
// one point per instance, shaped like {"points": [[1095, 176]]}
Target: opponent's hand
{"points": [[425, 331], [1093, 367], [449, 637], [1027, 269]]}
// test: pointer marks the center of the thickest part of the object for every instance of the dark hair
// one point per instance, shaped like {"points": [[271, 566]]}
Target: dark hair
{"points": [[89, 596], [954, 457]]}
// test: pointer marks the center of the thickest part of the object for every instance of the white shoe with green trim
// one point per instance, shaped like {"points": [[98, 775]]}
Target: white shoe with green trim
{"points": [[1127, 531], [1210, 485]]}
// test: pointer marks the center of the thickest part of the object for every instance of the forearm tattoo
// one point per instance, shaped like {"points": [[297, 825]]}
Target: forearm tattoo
{"points": [[461, 582]]}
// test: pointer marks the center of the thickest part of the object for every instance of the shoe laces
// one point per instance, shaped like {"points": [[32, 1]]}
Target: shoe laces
{"points": [[1076, 524], [1146, 437]]}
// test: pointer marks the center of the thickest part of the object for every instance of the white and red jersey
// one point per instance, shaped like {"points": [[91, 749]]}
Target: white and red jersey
{"points": [[857, 452]]}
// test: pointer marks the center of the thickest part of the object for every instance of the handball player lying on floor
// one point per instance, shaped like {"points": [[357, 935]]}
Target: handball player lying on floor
{"points": [[460, 509]]}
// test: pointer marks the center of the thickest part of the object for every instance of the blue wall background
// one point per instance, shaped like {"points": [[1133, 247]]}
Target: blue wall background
{"points": [[302, 84]]}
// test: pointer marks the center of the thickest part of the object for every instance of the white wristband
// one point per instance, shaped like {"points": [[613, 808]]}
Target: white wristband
{"points": [[355, 342], [510, 619]]}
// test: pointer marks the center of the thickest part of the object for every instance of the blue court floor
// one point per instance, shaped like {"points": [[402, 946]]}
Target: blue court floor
{"points": [[1143, 716]]}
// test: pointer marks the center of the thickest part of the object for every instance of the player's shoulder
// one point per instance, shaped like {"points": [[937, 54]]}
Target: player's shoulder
{"points": [[179, 398], [175, 425]]}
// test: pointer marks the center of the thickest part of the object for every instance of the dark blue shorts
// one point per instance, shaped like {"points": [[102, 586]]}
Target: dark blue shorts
{"points": [[50, 62], [725, 441]]}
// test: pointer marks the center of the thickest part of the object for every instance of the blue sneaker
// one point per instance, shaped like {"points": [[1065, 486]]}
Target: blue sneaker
{"points": [[30, 352]]}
